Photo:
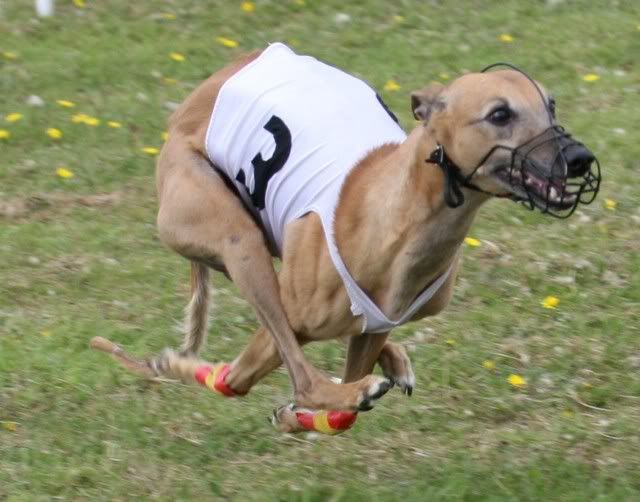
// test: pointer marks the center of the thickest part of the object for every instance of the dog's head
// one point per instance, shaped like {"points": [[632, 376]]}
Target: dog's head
{"points": [[497, 133]]}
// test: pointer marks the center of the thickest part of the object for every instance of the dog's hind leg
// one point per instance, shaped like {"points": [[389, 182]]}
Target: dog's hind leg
{"points": [[257, 360]]}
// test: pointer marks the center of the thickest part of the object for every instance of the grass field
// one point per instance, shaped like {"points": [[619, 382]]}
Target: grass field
{"points": [[80, 257]]}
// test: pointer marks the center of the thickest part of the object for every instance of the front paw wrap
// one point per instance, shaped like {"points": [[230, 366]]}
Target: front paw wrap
{"points": [[293, 419], [213, 377]]}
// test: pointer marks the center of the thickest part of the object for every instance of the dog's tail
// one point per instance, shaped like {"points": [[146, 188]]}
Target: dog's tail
{"points": [[183, 366], [197, 312]]}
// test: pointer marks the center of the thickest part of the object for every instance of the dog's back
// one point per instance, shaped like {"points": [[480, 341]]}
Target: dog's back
{"points": [[286, 129]]}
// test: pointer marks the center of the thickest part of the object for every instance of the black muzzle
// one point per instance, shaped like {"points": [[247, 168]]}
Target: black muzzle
{"points": [[554, 173]]}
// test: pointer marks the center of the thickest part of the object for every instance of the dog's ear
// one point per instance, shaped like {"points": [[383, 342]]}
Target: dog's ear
{"points": [[425, 100]]}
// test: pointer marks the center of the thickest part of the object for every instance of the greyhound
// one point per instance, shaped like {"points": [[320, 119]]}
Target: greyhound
{"points": [[280, 155]]}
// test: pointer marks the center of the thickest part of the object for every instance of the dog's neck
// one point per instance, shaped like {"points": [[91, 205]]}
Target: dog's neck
{"points": [[393, 228]]}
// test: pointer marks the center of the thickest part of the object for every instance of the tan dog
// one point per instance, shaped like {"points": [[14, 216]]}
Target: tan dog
{"points": [[403, 213]]}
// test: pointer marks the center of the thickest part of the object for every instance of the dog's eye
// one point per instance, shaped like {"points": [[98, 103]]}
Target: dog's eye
{"points": [[552, 107], [500, 116]]}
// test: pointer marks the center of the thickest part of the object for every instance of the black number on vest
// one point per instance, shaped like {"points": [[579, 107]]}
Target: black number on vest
{"points": [[387, 109], [263, 170]]}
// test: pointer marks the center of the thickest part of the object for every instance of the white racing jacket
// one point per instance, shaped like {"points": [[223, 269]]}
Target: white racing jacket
{"points": [[286, 130]]}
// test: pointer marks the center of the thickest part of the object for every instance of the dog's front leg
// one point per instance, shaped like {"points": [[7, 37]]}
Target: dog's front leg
{"points": [[396, 366], [367, 349], [362, 353]]}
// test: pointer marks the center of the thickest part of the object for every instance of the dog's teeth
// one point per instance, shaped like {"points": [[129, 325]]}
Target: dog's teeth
{"points": [[555, 196]]}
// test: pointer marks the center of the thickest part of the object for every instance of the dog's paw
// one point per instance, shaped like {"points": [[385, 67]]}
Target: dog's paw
{"points": [[375, 388], [396, 366]]}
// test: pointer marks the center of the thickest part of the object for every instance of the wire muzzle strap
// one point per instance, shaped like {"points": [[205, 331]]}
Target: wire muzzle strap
{"points": [[453, 196]]}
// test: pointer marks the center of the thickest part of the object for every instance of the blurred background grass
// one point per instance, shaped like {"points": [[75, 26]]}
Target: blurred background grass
{"points": [[80, 257]]}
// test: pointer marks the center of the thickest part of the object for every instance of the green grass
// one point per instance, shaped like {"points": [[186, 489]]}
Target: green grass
{"points": [[73, 425]]}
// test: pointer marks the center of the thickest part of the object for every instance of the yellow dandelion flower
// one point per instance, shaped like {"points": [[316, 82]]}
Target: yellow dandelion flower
{"points": [[9, 426], [169, 81], [13, 117], [169, 16], [63, 172], [470, 241], [176, 56], [164, 135], [9, 55], [79, 118], [81, 4], [299, 2], [151, 150], [450, 341], [4, 134], [610, 204], [114, 124], [54, 133], [591, 77], [391, 86], [488, 364], [227, 42], [444, 76], [517, 381], [550, 302], [91, 121], [293, 42], [567, 414], [248, 6], [398, 19], [506, 38], [64, 103], [45, 333], [83, 118]]}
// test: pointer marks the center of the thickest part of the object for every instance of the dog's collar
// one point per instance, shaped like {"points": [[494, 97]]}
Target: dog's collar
{"points": [[453, 178]]}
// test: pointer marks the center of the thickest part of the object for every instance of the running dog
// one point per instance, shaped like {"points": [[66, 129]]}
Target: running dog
{"points": [[281, 155]]}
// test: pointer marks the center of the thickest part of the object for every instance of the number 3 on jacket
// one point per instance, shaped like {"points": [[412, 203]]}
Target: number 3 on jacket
{"points": [[264, 169]]}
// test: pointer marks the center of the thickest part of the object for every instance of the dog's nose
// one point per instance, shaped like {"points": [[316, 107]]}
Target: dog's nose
{"points": [[578, 158]]}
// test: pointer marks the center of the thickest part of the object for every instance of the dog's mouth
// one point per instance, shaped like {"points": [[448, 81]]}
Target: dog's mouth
{"points": [[554, 194], [543, 192], [551, 172]]}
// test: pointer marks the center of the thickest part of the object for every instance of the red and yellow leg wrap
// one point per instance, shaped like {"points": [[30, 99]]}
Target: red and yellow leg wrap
{"points": [[326, 422], [213, 377]]}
